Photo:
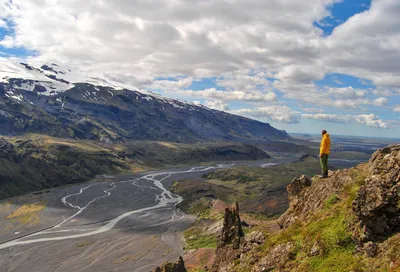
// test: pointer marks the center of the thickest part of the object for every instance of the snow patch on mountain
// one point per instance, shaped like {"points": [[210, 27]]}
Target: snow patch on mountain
{"points": [[52, 79]]}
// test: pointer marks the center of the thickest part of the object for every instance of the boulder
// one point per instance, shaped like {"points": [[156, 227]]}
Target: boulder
{"points": [[255, 237], [276, 258], [39, 89], [297, 186], [371, 249], [179, 266]]}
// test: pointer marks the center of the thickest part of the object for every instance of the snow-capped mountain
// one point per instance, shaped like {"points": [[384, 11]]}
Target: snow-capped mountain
{"points": [[51, 78], [59, 102]]}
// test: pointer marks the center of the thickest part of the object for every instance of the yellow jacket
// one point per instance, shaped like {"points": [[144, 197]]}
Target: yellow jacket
{"points": [[325, 147]]}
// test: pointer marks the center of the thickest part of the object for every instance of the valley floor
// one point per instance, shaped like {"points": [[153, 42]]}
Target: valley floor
{"points": [[119, 223]]}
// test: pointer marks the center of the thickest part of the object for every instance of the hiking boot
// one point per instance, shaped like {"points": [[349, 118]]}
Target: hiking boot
{"points": [[323, 176]]}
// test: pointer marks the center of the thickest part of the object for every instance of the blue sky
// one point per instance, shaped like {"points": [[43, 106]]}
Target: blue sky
{"points": [[341, 12], [331, 66]]}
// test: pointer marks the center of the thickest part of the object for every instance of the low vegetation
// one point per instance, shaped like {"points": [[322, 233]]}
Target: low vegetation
{"points": [[195, 239], [329, 233], [27, 214]]}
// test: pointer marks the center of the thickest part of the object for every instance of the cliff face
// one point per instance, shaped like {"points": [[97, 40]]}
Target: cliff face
{"points": [[347, 222]]}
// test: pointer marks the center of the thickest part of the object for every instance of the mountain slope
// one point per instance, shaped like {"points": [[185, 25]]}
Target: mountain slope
{"points": [[58, 102]]}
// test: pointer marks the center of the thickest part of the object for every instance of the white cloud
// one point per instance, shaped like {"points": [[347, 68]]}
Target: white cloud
{"points": [[217, 105], [380, 102], [255, 50], [368, 44], [245, 80], [370, 120], [171, 85], [238, 87], [275, 113], [212, 93], [3, 24], [170, 37], [312, 110], [7, 42], [334, 118], [383, 92], [347, 92], [396, 108]]}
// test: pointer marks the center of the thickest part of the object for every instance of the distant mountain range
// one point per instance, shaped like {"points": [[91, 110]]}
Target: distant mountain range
{"points": [[62, 103]]}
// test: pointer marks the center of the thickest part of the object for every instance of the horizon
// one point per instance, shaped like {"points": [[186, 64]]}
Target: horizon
{"points": [[345, 136], [334, 66]]}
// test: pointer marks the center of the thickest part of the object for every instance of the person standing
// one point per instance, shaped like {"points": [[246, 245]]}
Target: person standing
{"points": [[324, 151]]}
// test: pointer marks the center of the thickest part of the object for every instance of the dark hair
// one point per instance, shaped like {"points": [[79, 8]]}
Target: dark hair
{"points": [[324, 131]]}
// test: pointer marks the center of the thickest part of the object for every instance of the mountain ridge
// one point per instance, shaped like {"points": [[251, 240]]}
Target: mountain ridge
{"points": [[42, 100]]}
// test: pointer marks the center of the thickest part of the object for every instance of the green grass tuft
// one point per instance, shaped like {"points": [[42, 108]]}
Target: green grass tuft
{"points": [[333, 199], [195, 239]]}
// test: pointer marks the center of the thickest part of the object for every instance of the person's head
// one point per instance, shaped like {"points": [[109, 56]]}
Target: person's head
{"points": [[323, 132]]}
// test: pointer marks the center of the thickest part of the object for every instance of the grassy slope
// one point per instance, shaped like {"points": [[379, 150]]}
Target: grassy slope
{"points": [[261, 192], [331, 228]]}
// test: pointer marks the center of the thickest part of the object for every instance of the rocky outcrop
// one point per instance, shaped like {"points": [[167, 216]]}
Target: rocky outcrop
{"points": [[308, 196], [357, 208], [39, 89], [228, 248], [297, 185], [232, 231], [254, 238], [233, 244], [7, 150], [276, 259], [179, 266], [377, 204]]}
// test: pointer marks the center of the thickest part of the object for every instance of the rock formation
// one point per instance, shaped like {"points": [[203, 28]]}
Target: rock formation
{"points": [[228, 248], [232, 231], [355, 211], [179, 266], [276, 258], [377, 204], [233, 244]]}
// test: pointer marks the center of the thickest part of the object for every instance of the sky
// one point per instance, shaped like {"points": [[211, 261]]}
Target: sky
{"points": [[301, 66]]}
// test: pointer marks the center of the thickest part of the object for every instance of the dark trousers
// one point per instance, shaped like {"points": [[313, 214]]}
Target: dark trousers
{"points": [[324, 164]]}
